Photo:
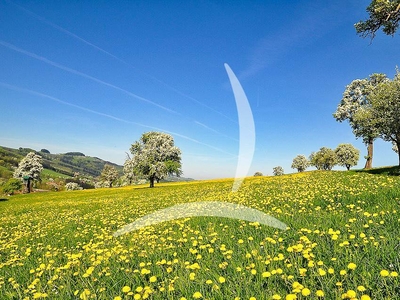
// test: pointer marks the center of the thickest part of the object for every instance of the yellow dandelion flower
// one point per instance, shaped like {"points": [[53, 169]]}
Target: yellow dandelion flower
{"points": [[197, 295], [361, 288], [351, 293], [352, 266], [305, 292], [276, 297], [320, 293], [365, 297], [153, 279], [384, 273], [221, 279], [291, 297], [266, 274], [126, 289]]}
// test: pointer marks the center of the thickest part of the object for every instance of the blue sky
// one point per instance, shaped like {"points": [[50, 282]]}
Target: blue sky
{"points": [[92, 76]]}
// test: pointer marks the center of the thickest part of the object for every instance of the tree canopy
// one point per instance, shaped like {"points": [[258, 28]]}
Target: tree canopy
{"points": [[278, 171], [300, 162], [154, 156], [356, 96], [29, 169], [347, 155], [109, 174], [383, 14], [324, 159], [29, 166], [384, 111]]}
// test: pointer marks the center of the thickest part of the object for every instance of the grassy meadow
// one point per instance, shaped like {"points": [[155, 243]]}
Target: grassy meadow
{"points": [[342, 242]]}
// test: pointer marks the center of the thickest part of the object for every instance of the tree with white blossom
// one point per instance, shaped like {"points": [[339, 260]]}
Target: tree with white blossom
{"points": [[154, 157], [301, 163], [324, 159], [355, 97], [384, 111], [347, 155], [29, 169], [278, 171], [109, 174]]}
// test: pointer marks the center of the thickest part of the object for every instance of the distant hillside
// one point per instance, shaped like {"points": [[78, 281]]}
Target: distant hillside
{"points": [[64, 163]]}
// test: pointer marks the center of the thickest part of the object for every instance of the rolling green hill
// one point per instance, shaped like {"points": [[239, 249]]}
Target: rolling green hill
{"points": [[64, 164]]}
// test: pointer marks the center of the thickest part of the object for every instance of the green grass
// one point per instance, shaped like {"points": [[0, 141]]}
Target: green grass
{"points": [[392, 171], [343, 236], [53, 174]]}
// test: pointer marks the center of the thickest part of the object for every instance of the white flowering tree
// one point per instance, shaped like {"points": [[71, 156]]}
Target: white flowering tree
{"points": [[385, 111], [324, 159], [347, 155], [355, 97], [300, 162], [129, 171], [109, 174], [278, 171], [29, 169], [154, 156]]}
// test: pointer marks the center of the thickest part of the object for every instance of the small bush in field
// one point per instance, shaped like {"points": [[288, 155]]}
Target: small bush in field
{"points": [[72, 186], [11, 186]]}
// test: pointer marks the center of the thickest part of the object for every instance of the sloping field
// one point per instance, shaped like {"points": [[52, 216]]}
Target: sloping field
{"points": [[343, 242]]}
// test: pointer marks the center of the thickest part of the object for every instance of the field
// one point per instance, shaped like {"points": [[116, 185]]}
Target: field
{"points": [[342, 242]]}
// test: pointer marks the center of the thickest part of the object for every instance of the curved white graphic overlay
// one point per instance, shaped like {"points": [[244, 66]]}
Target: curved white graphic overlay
{"points": [[217, 208], [203, 209], [247, 135]]}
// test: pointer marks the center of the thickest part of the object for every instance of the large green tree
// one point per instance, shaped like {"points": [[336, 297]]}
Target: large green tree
{"points": [[355, 97], [154, 156], [383, 14], [384, 111]]}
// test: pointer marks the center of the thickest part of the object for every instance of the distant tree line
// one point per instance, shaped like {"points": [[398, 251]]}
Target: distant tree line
{"points": [[345, 155]]}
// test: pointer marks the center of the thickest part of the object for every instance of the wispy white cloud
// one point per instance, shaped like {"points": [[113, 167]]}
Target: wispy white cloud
{"points": [[313, 24], [35, 93], [85, 41], [73, 71]]}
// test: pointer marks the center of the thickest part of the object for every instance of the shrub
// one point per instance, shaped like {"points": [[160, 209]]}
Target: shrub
{"points": [[72, 186], [258, 174], [11, 186]]}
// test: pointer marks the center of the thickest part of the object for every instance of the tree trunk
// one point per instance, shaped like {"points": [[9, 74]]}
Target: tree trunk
{"points": [[398, 150], [28, 186], [370, 153], [151, 181]]}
